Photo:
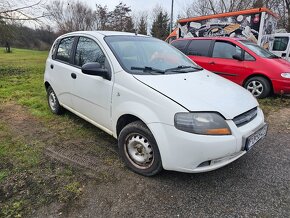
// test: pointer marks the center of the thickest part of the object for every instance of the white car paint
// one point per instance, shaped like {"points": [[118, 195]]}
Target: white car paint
{"points": [[221, 95], [155, 99]]}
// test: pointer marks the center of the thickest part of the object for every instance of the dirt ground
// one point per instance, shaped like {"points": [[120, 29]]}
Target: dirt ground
{"points": [[258, 184]]}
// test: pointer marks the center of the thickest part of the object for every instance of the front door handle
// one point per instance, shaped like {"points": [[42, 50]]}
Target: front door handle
{"points": [[51, 66], [73, 75], [212, 62]]}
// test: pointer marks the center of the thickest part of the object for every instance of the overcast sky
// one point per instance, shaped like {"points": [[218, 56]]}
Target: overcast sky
{"points": [[141, 5]]}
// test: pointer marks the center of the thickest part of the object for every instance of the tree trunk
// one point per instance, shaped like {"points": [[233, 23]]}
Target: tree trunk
{"points": [[7, 47], [287, 3]]}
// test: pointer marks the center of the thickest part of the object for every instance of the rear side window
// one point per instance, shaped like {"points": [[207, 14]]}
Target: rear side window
{"points": [[64, 49], [180, 45], [225, 50], [199, 47], [88, 51], [280, 43]]}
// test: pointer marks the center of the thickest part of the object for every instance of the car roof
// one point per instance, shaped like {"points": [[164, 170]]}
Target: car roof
{"points": [[101, 33], [211, 38]]}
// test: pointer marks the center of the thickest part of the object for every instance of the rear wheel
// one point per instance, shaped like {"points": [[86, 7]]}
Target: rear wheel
{"points": [[139, 149], [258, 86], [53, 102]]}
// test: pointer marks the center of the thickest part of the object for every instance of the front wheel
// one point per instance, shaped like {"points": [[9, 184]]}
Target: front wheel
{"points": [[258, 86], [139, 149]]}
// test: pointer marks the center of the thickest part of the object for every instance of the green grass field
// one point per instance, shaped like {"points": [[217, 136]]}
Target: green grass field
{"points": [[23, 167]]}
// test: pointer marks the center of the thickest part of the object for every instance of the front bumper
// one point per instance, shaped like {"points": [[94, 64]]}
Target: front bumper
{"points": [[192, 153], [281, 86]]}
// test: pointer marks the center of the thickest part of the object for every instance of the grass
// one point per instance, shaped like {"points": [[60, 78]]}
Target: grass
{"points": [[274, 103], [24, 171], [21, 79]]}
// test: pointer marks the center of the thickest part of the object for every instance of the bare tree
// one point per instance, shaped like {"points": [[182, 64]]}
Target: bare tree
{"points": [[71, 16], [101, 17], [13, 12], [206, 7], [19, 10]]}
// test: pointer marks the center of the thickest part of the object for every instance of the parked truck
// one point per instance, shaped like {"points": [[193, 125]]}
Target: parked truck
{"points": [[257, 25]]}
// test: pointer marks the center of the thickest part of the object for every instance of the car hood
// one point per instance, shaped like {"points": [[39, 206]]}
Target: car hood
{"points": [[282, 63], [202, 91]]}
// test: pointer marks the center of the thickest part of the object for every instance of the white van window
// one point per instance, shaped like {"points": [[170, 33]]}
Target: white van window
{"points": [[280, 43]]}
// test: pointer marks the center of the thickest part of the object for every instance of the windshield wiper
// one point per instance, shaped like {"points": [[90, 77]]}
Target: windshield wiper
{"points": [[148, 69], [182, 67]]}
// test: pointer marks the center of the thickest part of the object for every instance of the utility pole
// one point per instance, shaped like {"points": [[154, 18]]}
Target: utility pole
{"points": [[171, 17]]}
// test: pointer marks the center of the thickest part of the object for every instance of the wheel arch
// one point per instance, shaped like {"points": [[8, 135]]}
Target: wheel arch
{"points": [[124, 120], [46, 84]]}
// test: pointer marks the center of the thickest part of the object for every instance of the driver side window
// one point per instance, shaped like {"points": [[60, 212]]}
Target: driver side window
{"points": [[225, 50], [88, 51]]}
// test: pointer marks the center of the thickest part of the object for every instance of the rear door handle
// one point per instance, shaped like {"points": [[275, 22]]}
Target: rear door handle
{"points": [[212, 62], [73, 75]]}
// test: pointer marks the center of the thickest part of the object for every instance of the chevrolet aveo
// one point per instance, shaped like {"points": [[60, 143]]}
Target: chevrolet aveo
{"points": [[166, 111]]}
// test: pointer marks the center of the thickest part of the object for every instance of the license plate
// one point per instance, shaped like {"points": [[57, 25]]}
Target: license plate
{"points": [[254, 138]]}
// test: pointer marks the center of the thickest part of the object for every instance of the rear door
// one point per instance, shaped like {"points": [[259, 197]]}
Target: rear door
{"points": [[60, 71], [199, 51], [222, 62]]}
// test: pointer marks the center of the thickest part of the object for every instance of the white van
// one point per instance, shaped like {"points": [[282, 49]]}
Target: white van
{"points": [[281, 45], [166, 111]]}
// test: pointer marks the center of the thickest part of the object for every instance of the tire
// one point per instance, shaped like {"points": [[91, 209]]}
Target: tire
{"points": [[258, 86], [53, 102], [139, 150]]}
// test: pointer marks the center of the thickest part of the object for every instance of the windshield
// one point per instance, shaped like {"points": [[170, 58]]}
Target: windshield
{"points": [[258, 50], [146, 55]]}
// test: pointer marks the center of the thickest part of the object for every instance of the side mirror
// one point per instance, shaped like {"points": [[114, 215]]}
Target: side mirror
{"points": [[237, 57], [95, 69]]}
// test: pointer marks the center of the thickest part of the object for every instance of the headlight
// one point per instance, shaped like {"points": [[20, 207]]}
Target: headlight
{"points": [[201, 123], [285, 75]]}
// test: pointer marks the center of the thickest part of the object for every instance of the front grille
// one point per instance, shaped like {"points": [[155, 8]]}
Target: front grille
{"points": [[246, 117]]}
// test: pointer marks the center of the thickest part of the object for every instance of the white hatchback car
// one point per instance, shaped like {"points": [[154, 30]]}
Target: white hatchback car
{"points": [[166, 112]]}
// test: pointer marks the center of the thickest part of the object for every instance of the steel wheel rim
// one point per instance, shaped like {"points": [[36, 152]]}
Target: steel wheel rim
{"points": [[52, 101], [255, 87], [139, 151]]}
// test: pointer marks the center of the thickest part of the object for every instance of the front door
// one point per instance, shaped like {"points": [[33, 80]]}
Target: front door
{"points": [[222, 62], [92, 94]]}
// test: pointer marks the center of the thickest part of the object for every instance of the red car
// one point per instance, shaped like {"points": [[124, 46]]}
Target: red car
{"points": [[240, 61]]}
